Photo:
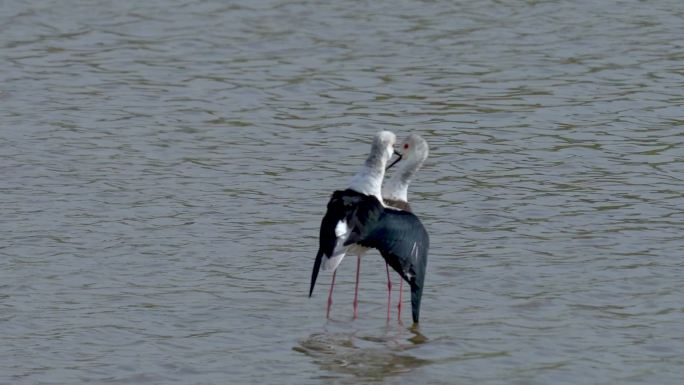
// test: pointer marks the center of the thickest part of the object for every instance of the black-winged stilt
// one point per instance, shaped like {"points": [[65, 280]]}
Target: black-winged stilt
{"points": [[352, 214], [414, 151]]}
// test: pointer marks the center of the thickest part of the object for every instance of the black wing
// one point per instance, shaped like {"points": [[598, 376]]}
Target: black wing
{"points": [[357, 209], [403, 242]]}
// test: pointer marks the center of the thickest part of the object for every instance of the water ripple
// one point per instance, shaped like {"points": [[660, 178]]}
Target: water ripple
{"points": [[166, 165]]}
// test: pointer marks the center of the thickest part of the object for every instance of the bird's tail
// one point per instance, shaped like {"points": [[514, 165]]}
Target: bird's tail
{"points": [[416, 295], [314, 273]]}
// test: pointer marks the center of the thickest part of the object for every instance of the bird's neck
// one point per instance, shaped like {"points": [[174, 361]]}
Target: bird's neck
{"points": [[369, 179], [396, 186], [396, 189]]}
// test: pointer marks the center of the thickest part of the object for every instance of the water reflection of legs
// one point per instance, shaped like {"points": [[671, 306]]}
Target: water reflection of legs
{"points": [[355, 352]]}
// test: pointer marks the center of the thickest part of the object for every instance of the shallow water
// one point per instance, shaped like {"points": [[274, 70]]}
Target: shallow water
{"points": [[165, 167]]}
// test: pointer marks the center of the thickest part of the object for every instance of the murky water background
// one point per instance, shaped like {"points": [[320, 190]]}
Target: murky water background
{"points": [[165, 165]]}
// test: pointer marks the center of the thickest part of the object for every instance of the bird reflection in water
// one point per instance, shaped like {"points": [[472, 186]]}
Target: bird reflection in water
{"points": [[366, 356]]}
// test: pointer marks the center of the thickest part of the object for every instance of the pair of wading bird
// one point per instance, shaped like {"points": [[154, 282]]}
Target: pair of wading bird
{"points": [[369, 215]]}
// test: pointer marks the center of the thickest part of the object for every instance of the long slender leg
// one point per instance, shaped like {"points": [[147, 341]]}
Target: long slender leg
{"points": [[401, 289], [389, 292], [332, 284], [356, 288]]}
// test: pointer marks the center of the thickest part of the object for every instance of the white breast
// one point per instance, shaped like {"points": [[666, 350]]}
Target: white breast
{"points": [[342, 232]]}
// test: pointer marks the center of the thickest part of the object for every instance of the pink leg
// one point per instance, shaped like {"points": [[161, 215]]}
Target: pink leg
{"points": [[332, 284], [389, 292], [401, 287], [356, 289]]}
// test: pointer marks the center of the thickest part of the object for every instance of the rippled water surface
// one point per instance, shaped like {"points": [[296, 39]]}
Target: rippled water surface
{"points": [[165, 165]]}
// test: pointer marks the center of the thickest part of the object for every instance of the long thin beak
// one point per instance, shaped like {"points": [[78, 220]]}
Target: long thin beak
{"points": [[395, 161]]}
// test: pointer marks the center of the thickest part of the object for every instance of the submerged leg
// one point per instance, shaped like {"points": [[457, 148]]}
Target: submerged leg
{"points": [[401, 288], [389, 292], [332, 284], [356, 289]]}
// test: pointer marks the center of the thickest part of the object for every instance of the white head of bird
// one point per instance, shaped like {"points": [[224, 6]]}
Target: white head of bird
{"points": [[369, 179], [414, 150]]}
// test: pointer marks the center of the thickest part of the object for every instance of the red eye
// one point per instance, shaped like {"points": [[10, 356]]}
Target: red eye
{"points": [[405, 146]]}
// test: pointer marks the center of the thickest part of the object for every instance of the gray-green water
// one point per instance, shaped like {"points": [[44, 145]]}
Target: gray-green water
{"points": [[165, 165]]}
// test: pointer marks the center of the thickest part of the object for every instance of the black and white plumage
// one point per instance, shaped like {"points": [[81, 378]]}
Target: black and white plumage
{"points": [[414, 151], [356, 220], [398, 235], [349, 211], [403, 242], [349, 214]]}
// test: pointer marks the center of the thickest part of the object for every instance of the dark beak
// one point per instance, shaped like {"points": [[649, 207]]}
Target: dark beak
{"points": [[395, 161]]}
